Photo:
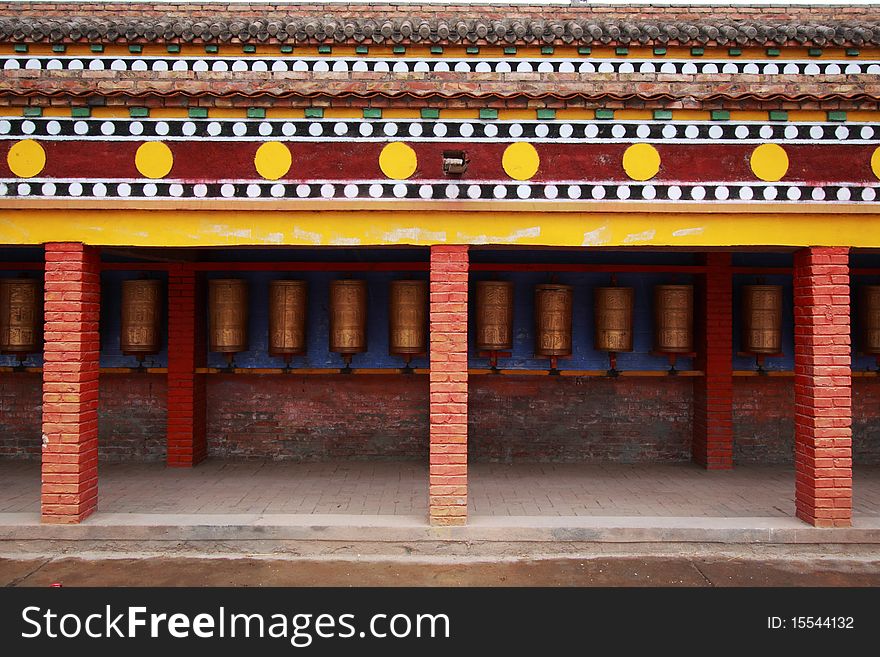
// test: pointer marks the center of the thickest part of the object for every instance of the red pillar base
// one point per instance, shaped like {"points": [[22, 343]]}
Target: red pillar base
{"points": [[186, 433], [448, 386], [822, 390], [69, 491]]}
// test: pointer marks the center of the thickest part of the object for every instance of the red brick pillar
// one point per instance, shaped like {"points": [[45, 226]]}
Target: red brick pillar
{"points": [[449, 380], [713, 393], [823, 409], [70, 382], [186, 439]]}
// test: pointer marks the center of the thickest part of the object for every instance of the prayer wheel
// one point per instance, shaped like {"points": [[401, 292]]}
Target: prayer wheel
{"points": [[613, 312], [287, 318], [408, 318], [228, 311], [494, 316], [553, 320], [20, 316], [869, 312], [674, 319], [141, 326], [762, 319], [348, 317]]}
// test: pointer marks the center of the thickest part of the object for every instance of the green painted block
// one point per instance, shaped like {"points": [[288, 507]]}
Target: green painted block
{"points": [[325, 49], [198, 112], [80, 112], [509, 50], [773, 52], [547, 50], [372, 113], [362, 50], [430, 113], [314, 112], [662, 115], [135, 49], [488, 113], [59, 47], [604, 114], [249, 48], [97, 47], [212, 49], [33, 111], [472, 50], [399, 50], [584, 50], [436, 50], [852, 52], [173, 47], [836, 115], [815, 52], [720, 115], [20, 47], [659, 51], [698, 52], [621, 51], [256, 112], [546, 114], [286, 49], [778, 115], [734, 52], [139, 112]]}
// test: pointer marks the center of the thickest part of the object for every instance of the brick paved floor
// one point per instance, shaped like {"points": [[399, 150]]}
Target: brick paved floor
{"points": [[681, 490]]}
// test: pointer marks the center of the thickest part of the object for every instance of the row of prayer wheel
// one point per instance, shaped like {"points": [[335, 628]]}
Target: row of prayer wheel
{"points": [[142, 318]]}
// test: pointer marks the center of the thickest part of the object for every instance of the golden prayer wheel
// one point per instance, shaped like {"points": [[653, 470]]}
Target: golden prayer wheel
{"points": [[613, 311], [408, 318], [553, 320], [869, 312], [141, 327], [348, 317], [762, 319], [494, 316], [19, 316], [674, 319], [287, 318], [228, 312]]}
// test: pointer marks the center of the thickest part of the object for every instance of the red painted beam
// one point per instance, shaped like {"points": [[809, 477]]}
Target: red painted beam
{"points": [[585, 267], [309, 266], [21, 266], [763, 271]]}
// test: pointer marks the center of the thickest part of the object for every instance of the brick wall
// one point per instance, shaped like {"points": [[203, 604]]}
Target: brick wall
{"points": [[539, 418], [131, 417], [21, 401], [315, 418]]}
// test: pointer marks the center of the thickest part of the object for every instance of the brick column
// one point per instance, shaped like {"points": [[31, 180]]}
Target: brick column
{"points": [[713, 394], [70, 383], [448, 389], [823, 409], [186, 439]]}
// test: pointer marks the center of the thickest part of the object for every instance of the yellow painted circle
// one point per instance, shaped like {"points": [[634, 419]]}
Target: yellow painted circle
{"points": [[641, 161], [769, 162], [398, 161], [272, 160], [520, 161], [154, 159], [26, 158], [875, 162]]}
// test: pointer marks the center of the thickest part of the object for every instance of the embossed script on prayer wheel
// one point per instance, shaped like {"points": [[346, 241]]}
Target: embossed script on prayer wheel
{"points": [[869, 315], [19, 316], [674, 319], [553, 320], [613, 312], [141, 317], [348, 316], [762, 319], [228, 311], [494, 316], [408, 318], [287, 317]]}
